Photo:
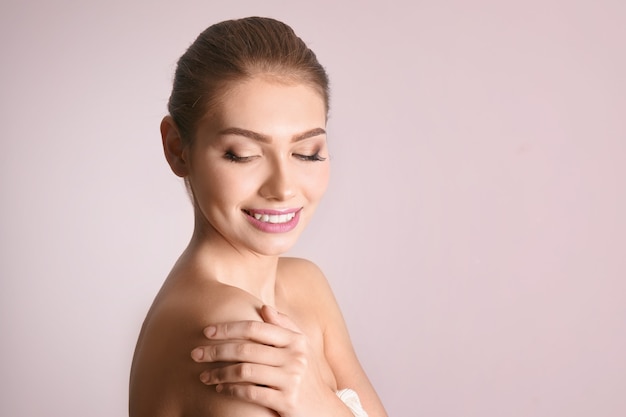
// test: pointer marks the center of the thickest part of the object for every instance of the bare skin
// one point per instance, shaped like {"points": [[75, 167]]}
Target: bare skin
{"points": [[166, 380], [237, 330]]}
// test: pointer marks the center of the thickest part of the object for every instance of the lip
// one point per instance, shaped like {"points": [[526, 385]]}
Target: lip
{"points": [[273, 227]]}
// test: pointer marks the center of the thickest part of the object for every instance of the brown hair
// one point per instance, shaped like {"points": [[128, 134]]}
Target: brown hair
{"points": [[236, 50]]}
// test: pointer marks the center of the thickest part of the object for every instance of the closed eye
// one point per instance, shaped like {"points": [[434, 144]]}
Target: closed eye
{"points": [[315, 157], [232, 157]]}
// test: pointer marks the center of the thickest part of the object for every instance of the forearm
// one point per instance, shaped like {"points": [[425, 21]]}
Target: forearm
{"points": [[338, 404]]}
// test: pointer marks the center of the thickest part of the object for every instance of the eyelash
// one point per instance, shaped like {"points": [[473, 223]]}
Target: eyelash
{"points": [[316, 157], [229, 155]]}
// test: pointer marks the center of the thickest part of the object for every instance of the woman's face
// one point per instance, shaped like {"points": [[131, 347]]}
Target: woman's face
{"points": [[259, 165]]}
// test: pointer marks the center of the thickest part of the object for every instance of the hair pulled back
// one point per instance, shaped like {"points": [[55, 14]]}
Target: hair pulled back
{"points": [[236, 50]]}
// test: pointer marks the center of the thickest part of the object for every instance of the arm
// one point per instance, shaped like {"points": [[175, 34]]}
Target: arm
{"points": [[338, 348], [344, 362]]}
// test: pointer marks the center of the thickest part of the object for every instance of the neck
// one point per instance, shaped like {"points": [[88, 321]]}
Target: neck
{"points": [[217, 259]]}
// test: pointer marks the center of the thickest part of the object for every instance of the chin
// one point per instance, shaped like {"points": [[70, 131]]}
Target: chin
{"points": [[276, 247]]}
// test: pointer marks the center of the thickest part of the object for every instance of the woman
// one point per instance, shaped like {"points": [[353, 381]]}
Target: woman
{"points": [[237, 330]]}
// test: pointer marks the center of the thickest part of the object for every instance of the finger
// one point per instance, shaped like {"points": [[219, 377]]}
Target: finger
{"points": [[261, 395], [271, 315], [256, 331], [237, 352], [246, 373]]}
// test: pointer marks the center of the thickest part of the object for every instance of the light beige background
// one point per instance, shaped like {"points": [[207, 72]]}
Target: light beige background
{"points": [[474, 229]]}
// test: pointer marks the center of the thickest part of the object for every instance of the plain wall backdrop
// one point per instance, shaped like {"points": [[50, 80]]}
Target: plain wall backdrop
{"points": [[473, 231]]}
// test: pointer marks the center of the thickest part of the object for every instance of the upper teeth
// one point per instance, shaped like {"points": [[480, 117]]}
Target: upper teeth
{"points": [[274, 218]]}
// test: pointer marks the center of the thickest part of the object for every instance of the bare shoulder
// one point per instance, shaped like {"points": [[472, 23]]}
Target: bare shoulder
{"points": [[302, 276], [304, 285], [164, 379], [309, 292], [298, 264]]}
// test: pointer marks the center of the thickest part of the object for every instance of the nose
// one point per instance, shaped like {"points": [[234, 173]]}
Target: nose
{"points": [[278, 184]]}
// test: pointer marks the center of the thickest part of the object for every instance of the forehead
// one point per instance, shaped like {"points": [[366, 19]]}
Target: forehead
{"points": [[270, 106]]}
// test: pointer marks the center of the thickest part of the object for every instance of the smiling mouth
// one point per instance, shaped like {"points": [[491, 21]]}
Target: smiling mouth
{"points": [[272, 218]]}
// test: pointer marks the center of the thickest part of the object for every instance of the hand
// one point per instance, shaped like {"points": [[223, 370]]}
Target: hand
{"points": [[269, 363]]}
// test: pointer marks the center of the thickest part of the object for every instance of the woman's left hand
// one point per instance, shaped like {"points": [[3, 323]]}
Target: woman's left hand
{"points": [[269, 363]]}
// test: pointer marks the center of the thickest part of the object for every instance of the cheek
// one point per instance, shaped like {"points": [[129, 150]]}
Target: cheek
{"points": [[220, 184], [316, 182], [235, 185]]}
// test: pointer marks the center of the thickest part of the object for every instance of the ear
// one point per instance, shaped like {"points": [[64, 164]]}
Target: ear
{"points": [[173, 147]]}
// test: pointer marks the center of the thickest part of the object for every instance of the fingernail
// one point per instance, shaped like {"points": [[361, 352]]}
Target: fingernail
{"points": [[205, 377], [210, 331], [219, 388], [197, 354]]}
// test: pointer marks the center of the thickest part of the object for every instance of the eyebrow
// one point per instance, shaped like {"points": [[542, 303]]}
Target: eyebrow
{"points": [[266, 139]]}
